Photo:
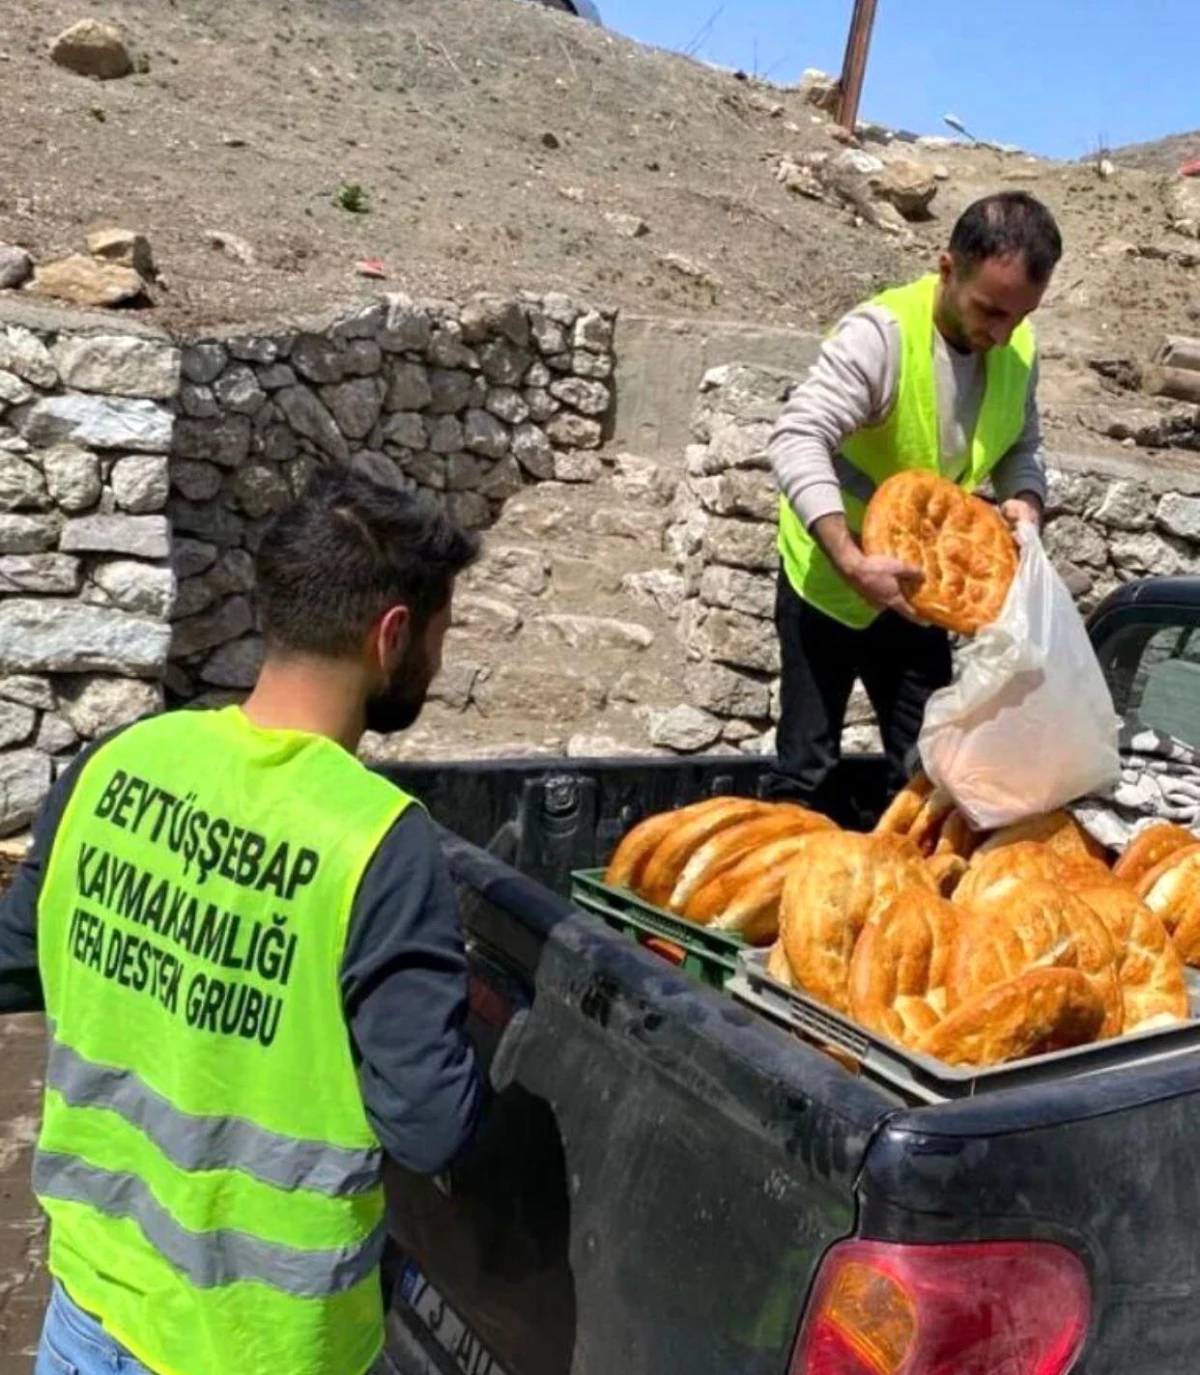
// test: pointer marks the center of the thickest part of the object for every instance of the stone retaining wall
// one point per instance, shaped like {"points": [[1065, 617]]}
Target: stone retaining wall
{"points": [[1109, 521], [86, 585], [469, 403], [137, 472]]}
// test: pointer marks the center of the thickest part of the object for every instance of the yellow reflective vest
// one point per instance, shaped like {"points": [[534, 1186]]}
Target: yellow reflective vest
{"points": [[211, 1178], [908, 438]]}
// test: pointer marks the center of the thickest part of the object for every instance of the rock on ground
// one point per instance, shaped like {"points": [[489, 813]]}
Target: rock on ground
{"points": [[88, 282], [93, 48]]}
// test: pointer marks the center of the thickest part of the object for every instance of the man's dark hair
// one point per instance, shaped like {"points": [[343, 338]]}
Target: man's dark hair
{"points": [[1006, 225], [348, 548]]}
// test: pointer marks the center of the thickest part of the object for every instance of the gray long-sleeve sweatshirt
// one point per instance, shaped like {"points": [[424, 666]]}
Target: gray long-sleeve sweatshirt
{"points": [[853, 385]]}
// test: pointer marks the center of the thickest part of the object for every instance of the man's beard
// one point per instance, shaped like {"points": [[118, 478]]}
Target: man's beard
{"points": [[952, 329], [399, 704]]}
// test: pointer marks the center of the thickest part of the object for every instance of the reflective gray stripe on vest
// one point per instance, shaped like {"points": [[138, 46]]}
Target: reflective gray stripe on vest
{"points": [[194, 1142], [206, 1259], [853, 481]]}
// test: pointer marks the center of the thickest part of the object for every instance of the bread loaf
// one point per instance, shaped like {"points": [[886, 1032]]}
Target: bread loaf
{"points": [[778, 967], [1172, 891], [633, 853], [1057, 830], [947, 871], [662, 869], [906, 806], [962, 545], [927, 827], [1149, 970], [956, 837], [898, 970], [1040, 1010], [994, 872], [840, 881], [711, 901], [1149, 848], [1036, 925], [751, 909], [726, 848]]}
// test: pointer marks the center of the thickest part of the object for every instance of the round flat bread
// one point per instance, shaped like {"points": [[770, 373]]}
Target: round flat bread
{"points": [[999, 871], [662, 869], [841, 881], [1058, 830], [947, 871], [1039, 1011], [899, 967], [778, 967], [633, 853], [1172, 891], [1035, 925], [962, 545], [1149, 969], [728, 847], [1149, 848], [906, 806], [956, 837]]}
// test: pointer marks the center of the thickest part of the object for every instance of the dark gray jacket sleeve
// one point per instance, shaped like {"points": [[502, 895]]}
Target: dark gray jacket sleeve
{"points": [[404, 988], [20, 982]]}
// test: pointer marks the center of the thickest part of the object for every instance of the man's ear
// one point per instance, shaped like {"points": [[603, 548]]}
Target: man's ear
{"points": [[946, 266], [393, 632]]}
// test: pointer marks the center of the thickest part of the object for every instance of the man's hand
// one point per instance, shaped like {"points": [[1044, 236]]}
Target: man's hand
{"points": [[1024, 506], [885, 583]]}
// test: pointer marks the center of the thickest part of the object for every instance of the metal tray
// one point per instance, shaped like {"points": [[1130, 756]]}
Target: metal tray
{"points": [[708, 956], [920, 1078]]}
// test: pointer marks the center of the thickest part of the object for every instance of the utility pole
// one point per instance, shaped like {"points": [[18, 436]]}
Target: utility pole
{"points": [[858, 45]]}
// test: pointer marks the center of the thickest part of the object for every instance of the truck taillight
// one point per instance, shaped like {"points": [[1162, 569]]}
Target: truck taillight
{"points": [[991, 1308]]}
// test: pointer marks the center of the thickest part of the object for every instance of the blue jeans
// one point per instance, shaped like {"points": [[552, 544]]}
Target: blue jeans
{"points": [[74, 1343]]}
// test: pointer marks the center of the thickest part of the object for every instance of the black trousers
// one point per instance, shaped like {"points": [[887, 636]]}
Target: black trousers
{"points": [[899, 664]]}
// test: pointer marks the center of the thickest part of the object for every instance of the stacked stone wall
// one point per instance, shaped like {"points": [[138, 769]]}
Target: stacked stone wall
{"points": [[137, 473]]}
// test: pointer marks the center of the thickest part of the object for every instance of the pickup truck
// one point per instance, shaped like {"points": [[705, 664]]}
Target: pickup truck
{"points": [[668, 1183]]}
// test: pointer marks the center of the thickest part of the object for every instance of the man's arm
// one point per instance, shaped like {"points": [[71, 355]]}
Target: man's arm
{"points": [[404, 988], [852, 385], [20, 982], [1019, 478]]}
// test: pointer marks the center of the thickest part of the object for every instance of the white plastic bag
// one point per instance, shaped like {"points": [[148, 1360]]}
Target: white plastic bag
{"points": [[1028, 724]]}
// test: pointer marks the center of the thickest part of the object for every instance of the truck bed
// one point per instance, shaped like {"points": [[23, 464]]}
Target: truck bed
{"points": [[662, 1169]]}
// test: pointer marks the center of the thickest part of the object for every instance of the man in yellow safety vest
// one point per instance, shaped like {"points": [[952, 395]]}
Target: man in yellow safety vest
{"points": [[251, 960], [940, 374]]}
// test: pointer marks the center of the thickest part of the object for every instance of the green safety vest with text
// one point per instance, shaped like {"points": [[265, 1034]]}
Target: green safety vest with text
{"points": [[908, 438], [212, 1181]]}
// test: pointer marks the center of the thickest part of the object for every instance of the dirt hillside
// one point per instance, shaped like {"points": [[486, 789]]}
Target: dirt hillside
{"points": [[1163, 155], [491, 138]]}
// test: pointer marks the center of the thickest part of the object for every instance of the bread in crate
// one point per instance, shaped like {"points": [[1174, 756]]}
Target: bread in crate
{"points": [[972, 948], [717, 863]]}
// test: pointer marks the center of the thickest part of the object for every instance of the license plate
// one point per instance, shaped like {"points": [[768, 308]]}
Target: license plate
{"points": [[444, 1325]]}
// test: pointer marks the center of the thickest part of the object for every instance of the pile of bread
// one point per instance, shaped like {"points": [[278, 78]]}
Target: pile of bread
{"points": [[974, 949]]}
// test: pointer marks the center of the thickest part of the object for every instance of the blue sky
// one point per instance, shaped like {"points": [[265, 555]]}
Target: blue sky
{"points": [[1055, 76]]}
